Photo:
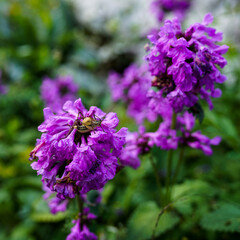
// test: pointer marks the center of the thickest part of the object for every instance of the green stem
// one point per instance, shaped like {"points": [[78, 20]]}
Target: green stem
{"points": [[158, 218], [174, 120], [169, 164], [168, 180], [157, 178], [80, 207], [179, 163]]}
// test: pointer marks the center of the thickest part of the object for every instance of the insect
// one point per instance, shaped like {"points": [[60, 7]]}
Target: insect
{"points": [[91, 123], [88, 124]]}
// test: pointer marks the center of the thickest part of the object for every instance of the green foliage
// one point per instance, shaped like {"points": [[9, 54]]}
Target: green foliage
{"points": [[143, 220], [192, 197], [43, 38], [40, 213], [225, 218]]}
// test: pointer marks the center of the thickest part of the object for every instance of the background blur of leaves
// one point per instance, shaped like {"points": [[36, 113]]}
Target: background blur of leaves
{"points": [[43, 38]]}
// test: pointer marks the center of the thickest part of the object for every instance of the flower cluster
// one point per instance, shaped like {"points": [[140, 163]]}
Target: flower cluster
{"points": [[137, 143], [168, 138], [78, 149], [62, 89], [132, 88], [80, 230], [178, 7], [185, 124], [185, 64]]}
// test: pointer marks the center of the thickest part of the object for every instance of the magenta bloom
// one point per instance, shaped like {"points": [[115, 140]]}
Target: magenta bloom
{"points": [[77, 234], [82, 234], [73, 159], [185, 64], [54, 203], [162, 7], [55, 92], [132, 88], [194, 139], [165, 137], [136, 144]]}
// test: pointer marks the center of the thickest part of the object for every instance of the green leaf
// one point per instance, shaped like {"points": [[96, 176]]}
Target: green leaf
{"points": [[48, 217], [41, 213], [192, 188], [23, 231], [225, 218], [143, 221], [192, 196]]}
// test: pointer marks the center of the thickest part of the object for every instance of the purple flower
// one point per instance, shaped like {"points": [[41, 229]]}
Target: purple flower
{"points": [[136, 144], [82, 234], [132, 88], [77, 234], [194, 139], [78, 149], [179, 7], [55, 92], [168, 138], [185, 64], [160, 105], [165, 137], [55, 204], [178, 99]]}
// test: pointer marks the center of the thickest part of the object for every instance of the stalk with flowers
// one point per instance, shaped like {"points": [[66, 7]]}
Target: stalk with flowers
{"points": [[181, 69], [72, 163]]}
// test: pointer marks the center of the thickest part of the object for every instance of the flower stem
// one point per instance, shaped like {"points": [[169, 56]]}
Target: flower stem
{"points": [[169, 172], [179, 163], [158, 218], [80, 206], [169, 164], [157, 179]]}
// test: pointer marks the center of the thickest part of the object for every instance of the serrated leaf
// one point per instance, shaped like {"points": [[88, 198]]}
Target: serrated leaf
{"points": [[192, 193], [225, 218], [143, 221], [190, 188]]}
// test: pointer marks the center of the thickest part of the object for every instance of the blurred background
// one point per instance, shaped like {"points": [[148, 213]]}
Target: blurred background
{"points": [[87, 39]]}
